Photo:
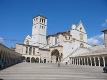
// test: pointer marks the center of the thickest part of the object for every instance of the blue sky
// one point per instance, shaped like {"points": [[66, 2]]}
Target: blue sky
{"points": [[16, 17]]}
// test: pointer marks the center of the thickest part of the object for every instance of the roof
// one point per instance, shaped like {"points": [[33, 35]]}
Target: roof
{"points": [[63, 33], [28, 45], [44, 49], [104, 30], [97, 50], [40, 16]]}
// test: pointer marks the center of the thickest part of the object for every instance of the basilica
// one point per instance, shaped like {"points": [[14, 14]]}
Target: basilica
{"points": [[65, 47]]}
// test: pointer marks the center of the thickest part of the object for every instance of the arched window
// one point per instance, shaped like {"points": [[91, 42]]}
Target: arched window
{"points": [[26, 49], [80, 28], [33, 51], [30, 50], [42, 27]]}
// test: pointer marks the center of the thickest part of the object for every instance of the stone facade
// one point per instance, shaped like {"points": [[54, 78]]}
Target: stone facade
{"points": [[92, 56], [40, 45]]}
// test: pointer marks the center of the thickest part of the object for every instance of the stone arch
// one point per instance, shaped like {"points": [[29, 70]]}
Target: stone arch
{"points": [[85, 61], [55, 56], [105, 60], [37, 60], [101, 61], [28, 59], [97, 61], [80, 61], [33, 60], [44, 61], [23, 58], [93, 64], [89, 61]]}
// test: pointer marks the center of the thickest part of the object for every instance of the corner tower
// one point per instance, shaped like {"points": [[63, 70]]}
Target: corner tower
{"points": [[39, 30]]}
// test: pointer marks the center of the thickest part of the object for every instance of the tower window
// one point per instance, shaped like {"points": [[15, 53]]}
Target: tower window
{"points": [[33, 51], [80, 28], [42, 27], [42, 20], [26, 50], [30, 50]]}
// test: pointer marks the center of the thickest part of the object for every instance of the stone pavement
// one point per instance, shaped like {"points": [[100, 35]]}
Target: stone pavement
{"points": [[35, 71]]}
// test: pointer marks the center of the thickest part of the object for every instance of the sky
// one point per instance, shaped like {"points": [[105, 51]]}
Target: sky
{"points": [[16, 17]]}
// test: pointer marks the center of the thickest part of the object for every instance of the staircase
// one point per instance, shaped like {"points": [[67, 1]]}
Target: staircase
{"points": [[70, 54]]}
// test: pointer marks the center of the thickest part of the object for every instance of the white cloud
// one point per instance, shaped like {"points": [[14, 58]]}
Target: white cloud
{"points": [[1, 40], [105, 23], [96, 40], [106, 20]]}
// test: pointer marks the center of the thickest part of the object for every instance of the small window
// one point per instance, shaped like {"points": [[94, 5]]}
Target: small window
{"points": [[33, 51], [42, 27], [69, 37], [26, 50], [74, 39], [42, 20], [80, 28], [30, 50]]}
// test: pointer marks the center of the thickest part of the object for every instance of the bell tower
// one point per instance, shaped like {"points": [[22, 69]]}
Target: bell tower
{"points": [[39, 30]]}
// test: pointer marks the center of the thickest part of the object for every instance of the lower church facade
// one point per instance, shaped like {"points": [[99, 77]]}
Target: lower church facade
{"points": [[43, 48]]}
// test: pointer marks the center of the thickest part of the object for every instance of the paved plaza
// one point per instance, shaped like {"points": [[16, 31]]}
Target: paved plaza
{"points": [[35, 71]]}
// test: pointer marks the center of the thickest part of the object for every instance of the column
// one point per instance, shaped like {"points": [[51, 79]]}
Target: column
{"points": [[81, 61], [39, 60], [70, 60], [104, 61], [91, 61], [99, 61], [77, 61], [94, 61], [74, 60]]}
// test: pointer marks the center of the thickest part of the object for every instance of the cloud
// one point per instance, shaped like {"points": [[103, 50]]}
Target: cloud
{"points": [[96, 40], [1, 40], [104, 24]]}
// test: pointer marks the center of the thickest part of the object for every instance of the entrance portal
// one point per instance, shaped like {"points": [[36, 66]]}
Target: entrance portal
{"points": [[44, 60]]}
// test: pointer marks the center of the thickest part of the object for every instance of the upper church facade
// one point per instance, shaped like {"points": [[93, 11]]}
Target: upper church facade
{"points": [[44, 48]]}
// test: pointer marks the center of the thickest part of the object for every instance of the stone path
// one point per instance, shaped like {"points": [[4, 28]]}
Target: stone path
{"points": [[32, 71]]}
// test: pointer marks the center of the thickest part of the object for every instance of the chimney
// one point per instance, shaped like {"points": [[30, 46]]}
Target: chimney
{"points": [[105, 37]]}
